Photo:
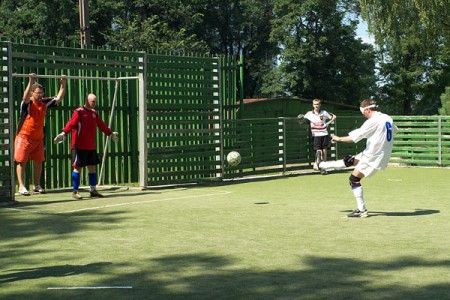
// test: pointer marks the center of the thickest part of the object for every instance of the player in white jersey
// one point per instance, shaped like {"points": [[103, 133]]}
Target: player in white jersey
{"points": [[378, 129], [319, 121]]}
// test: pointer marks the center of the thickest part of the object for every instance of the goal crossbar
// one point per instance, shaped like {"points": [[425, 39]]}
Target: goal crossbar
{"points": [[117, 79], [76, 77]]}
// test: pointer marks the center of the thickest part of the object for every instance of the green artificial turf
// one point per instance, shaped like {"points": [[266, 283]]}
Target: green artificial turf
{"points": [[285, 238]]}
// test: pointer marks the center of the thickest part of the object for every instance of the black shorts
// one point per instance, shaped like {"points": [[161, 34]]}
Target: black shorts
{"points": [[321, 142], [83, 158]]}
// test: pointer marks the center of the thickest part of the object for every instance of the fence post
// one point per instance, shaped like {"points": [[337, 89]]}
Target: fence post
{"points": [[439, 140], [284, 146], [221, 99], [11, 123], [143, 145]]}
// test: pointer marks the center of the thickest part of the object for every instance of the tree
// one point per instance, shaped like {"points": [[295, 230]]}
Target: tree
{"points": [[156, 24], [385, 17], [39, 19], [445, 101], [321, 57], [241, 27], [413, 38]]}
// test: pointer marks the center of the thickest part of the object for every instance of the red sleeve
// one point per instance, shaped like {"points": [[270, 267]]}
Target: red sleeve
{"points": [[72, 122], [102, 126]]}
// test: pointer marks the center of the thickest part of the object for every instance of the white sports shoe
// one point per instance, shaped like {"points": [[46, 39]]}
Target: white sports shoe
{"points": [[24, 192]]}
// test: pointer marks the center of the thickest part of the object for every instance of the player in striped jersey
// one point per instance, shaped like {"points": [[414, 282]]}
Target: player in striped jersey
{"points": [[319, 122]]}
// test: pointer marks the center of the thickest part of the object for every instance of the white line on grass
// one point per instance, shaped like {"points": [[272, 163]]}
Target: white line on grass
{"points": [[141, 202], [119, 204], [31, 211], [87, 287]]}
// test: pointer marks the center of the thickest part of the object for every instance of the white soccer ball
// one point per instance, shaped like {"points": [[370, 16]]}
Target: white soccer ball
{"points": [[234, 158]]}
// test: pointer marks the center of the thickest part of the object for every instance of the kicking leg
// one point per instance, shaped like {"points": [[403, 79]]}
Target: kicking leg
{"points": [[347, 161]]}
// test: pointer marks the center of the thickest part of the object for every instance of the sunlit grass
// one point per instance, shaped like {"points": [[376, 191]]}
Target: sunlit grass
{"points": [[284, 238]]}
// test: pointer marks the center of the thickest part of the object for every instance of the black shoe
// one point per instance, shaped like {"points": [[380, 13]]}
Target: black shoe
{"points": [[349, 160], [358, 214], [95, 193]]}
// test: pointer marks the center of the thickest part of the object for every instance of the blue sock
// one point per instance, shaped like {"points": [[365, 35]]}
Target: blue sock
{"points": [[75, 180], [92, 179]]}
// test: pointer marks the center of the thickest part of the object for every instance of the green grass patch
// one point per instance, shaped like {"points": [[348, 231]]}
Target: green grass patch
{"points": [[285, 238]]}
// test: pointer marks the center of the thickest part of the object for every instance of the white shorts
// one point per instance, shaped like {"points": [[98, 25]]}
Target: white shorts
{"points": [[364, 168]]}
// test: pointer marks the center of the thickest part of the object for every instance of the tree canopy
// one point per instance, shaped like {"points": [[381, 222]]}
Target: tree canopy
{"points": [[304, 48]]}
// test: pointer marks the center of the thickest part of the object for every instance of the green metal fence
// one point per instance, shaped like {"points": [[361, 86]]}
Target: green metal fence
{"points": [[178, 106], [183, 119], [422, 141], [7, 171], [179, 121], [280, 145], [92, 64]]}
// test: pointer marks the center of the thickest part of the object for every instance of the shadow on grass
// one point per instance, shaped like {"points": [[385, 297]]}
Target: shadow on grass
{"points": [[33, 200], [203, 276], [417, 212], [53, 271]]}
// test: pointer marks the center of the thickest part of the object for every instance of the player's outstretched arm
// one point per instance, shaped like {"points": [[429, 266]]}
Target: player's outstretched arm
{"points": [[27, 93], [345, 139], [62, 89]]}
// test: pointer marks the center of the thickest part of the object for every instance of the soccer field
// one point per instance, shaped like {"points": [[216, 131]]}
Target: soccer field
{"points": [[284, 238]]}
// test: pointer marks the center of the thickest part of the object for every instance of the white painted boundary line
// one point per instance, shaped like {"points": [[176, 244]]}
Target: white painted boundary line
{"points": [[141, 202], [119, 204], [87, 287]]}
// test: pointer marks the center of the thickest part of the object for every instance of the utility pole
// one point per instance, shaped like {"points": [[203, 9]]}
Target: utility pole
{"points": [[84, 23]]}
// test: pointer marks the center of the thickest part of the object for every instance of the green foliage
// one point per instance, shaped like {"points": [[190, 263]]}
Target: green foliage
{"points": [[39, 19], [320, 56], [162, 25], [153, 34], [445, 102], [295, 48], [414, 40], [387, 17]]}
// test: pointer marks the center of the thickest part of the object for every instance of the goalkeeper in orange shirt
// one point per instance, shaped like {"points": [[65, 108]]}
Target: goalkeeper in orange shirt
{"points": [[29, 143]]}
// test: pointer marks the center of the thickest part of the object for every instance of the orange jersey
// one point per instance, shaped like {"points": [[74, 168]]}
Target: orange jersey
{"points": [[32, 116]]}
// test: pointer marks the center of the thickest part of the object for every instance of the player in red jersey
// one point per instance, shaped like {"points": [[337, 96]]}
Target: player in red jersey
{"points": [[83, 125], [29, 143]]}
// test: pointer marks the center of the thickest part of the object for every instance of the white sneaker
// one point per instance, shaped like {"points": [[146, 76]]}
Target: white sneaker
{"points": [[24, 192], [38, 189], [358, 214]]}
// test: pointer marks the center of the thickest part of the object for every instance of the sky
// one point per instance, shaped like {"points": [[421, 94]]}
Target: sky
{"points": [[361, 32]]}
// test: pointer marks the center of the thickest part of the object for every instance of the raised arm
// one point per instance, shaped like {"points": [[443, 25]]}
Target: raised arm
{"points": [[62, 89], [27, 93]]}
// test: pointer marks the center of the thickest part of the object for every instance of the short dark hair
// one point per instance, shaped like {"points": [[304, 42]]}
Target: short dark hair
{"points": [[368, 102], [36, 86]]}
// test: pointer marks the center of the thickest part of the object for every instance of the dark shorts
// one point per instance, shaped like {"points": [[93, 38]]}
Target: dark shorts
{"points": [[321, 142], [83, 158]]}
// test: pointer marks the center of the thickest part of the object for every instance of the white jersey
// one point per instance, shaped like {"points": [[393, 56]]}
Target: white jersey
{"points": [[318, 121], [378, 130]]}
